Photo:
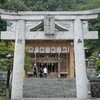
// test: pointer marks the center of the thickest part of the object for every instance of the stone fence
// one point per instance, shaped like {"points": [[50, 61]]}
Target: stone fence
{"points": [[95, 87]]}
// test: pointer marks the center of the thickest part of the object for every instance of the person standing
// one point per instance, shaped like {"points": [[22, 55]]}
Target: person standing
{"points": [[35, 70], [45, 71], [41, 73]]}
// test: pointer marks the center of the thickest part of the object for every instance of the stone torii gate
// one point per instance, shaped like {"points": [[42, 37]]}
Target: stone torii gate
{"points": [[75, 25]]}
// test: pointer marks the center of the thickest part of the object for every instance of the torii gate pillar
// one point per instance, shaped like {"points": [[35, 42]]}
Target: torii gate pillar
{"points": [[80, 68], [18, 67]]}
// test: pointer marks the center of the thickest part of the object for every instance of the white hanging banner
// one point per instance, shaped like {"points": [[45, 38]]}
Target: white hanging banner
{"points": [[47, 49], [33, 49], [53, 49], [68, 50], [30, 49], [36, 49], [64, 50], [42, 50], [58, 49]]}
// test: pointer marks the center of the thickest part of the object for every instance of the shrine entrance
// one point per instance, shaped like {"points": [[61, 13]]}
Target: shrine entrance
{"points": [[57, 30], [56, 63], [55, 55], [52, 68]]}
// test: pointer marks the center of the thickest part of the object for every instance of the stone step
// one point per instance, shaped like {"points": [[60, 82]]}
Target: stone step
{"points": [[58, 99], [49, 87]]}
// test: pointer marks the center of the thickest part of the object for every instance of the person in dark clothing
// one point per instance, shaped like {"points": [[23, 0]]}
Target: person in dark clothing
{"points": [[35, 70], [41, 73]]}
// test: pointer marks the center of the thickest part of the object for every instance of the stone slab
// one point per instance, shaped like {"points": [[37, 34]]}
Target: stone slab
{"points": [[57, 99], [32, 17], [41, 35], [93, 11]]}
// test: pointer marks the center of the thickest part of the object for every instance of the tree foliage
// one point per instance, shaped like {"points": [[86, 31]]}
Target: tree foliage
{"points": [[2, 25], [28, 63], [50, 5], [28, 60], [6, 48], [87, 4], [6, 63], [15, 5], [98, 65], [2, 1], [94, 25]]}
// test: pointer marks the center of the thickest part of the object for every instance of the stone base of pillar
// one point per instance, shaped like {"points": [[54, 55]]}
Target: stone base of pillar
{"points": [[54, 99], [16, 99], [83, 99], [59, 75]]}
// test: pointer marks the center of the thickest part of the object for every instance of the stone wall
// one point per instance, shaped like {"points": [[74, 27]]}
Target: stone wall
{"points": [[95, 87], [3, 76]]}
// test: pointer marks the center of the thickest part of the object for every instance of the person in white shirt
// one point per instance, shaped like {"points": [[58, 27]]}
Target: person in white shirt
{"points": [[45, 71], [98, 76]]}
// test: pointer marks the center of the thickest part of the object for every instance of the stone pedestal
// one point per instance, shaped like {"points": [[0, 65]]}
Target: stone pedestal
{"points": [[80, 68], [18, 67]]}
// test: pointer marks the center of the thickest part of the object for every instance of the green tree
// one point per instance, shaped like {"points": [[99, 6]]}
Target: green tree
{"points": [[2, 1], [88, 4], [28, 63], [98, 65], [50, 5], [95, 56], [2, 25], [6, 48], [6, 63], [28, 59], [15, 5]]}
